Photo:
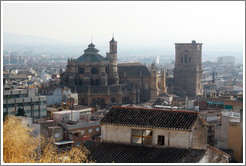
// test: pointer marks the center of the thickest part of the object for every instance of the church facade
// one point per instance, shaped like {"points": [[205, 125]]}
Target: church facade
{"points": [[102, 81]]}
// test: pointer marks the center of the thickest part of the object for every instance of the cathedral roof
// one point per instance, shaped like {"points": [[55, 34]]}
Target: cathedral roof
{"points": [[133, 69], [91, 55]]}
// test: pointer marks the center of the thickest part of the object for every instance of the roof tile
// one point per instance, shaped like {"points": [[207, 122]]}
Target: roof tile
{"points": [[152, 118]]}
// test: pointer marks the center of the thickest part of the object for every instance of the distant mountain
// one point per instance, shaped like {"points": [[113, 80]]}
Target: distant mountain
{"points": [[16, 39], [45, 45]]}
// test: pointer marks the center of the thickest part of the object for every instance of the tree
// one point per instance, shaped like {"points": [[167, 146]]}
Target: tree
{"points": [[19, 146], [21, 112]]}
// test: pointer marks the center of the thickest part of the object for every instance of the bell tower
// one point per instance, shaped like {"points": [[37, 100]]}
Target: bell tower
{"points": [[113, 46], [113, 77], [187, 73], [154, 88]]}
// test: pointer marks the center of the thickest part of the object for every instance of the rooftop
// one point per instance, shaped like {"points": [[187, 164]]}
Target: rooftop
{"points": [[91, 55], [121, 153], [150, 118], [133, 69]]}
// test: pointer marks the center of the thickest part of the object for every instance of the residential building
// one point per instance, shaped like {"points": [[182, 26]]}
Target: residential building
{"points": [[235, 139], [34, 106], [73, 125], [152, 135], [229, 136]]}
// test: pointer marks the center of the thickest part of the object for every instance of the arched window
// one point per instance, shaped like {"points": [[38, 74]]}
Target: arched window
{"points": [[80, 82], [92, 82], [94, 70], [113, 100], [97, 82], [81, 70], [186, 59]]}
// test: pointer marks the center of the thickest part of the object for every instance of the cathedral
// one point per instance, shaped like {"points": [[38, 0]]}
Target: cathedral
{"points": [[101, 81]]}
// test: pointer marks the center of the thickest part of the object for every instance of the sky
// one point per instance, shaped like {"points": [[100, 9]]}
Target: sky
{"points": [[218, 25]]}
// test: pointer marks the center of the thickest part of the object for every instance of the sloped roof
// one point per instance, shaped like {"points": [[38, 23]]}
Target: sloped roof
{"points": [[120, 153], [133, 69], [150, 118]]}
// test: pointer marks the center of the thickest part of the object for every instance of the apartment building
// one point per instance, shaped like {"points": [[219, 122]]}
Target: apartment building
{"points": [[27, 99]]}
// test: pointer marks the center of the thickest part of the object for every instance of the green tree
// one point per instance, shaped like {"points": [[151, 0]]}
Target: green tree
{"points": [[21, 112]]}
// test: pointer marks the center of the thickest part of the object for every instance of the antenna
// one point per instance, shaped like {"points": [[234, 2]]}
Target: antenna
{"points": [[91, 39]]}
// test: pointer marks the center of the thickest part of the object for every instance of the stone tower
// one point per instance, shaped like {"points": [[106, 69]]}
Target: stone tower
{"points": [[162, 82], [154, 88], [187, 73], [113, 77]]}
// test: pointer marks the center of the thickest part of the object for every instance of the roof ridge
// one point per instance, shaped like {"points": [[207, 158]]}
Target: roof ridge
{"points": [[155, 109]]}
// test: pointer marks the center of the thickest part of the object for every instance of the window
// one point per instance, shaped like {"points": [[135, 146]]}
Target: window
{"points": [[97, 82], [90, 130], [80, 82], [94, 70], [76, 134], [97, 129], [92, 82], [77, 143], [57, 135], [81, 70], [161, 140], [113, 100], [142, 136], [186, 59], [82, 132]]}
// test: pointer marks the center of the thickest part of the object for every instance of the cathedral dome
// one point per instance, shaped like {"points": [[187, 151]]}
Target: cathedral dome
{"points": [[91, 55]]}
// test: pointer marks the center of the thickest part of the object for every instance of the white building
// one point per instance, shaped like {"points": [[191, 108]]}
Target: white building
{"points": [[154, 136]]}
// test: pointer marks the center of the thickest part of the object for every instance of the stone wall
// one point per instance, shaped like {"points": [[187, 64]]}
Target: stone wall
{"points": [[214, 155], [199, 135]]}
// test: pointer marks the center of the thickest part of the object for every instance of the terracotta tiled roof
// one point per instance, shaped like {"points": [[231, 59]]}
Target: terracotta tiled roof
{"points": [[120, 153], [150, 118], [216, 150]]}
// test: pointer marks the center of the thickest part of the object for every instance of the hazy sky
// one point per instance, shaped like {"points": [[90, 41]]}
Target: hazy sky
{"points": [[143, 23]]}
